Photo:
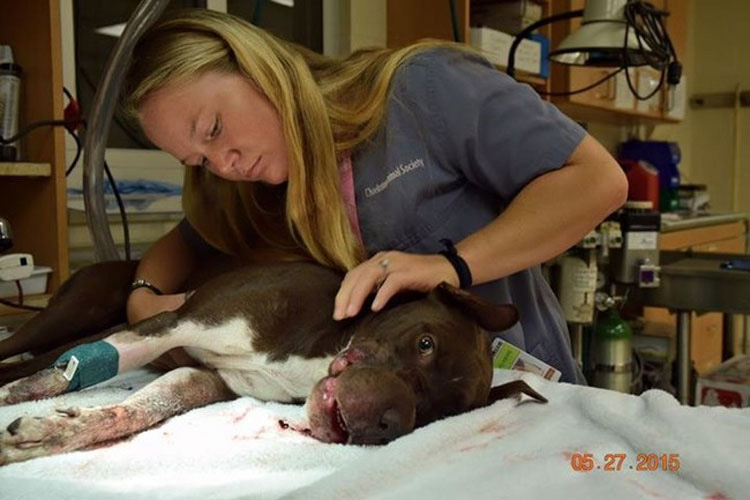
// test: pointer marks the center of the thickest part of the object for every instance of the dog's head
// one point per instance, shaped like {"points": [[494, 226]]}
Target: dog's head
{"points": [[415, 362]]}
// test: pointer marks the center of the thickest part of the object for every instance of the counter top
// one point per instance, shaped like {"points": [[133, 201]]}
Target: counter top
{"points": [[676, 221]]}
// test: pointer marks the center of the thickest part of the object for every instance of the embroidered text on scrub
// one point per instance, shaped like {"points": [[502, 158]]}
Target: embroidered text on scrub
{"points": [[395, 174]]}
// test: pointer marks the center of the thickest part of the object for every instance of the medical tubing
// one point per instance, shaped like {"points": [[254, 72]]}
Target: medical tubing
{"points": [[101, 117]]}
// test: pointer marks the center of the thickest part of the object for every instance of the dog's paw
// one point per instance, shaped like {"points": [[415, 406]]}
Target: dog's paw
{"points": [[31, 437], [44, 384], [5, 396]]}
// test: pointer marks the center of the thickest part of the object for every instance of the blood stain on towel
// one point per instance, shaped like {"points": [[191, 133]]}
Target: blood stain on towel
{"points": [[493, 428], [244, 414], [644, 489], [490, 432], [716, 496]]}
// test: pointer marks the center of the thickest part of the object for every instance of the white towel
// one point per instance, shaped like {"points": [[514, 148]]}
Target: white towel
{"points": [[238, 449]]}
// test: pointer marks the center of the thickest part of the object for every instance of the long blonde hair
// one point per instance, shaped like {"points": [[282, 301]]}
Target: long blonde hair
{"points": [[328, 107]]}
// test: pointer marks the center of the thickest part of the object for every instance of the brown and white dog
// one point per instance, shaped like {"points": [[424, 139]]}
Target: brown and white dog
{"points": [[264, 331]]}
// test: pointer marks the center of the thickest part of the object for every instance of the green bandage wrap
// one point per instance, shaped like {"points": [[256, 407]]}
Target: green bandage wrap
{"points": [[97, 362]]}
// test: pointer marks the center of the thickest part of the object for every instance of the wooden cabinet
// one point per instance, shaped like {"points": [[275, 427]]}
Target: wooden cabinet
{"points": [[32, 194], [706, 329], [612, 101], [409, 21]]}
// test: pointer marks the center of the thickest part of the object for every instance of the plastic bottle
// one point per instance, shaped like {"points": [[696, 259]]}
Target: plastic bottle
{"points": [[10, 97]]}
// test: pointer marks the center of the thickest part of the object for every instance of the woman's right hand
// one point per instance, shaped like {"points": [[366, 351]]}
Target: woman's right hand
{"points": [[143, 303]]}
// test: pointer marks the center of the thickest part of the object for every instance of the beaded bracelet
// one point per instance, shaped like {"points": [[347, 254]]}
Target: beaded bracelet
{"points": [[140, 283]]}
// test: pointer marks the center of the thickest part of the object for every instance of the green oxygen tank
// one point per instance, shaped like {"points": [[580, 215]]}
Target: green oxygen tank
{"points": [[612, 352]]}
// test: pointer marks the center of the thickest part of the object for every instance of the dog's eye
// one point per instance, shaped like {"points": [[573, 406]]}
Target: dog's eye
{"points": [[426, 345]]}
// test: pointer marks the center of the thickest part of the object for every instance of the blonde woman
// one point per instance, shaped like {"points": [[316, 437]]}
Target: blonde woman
{"points": [[404, 168]]}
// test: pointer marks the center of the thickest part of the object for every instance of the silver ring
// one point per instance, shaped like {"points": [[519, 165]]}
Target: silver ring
{"points": [[384, 264]]}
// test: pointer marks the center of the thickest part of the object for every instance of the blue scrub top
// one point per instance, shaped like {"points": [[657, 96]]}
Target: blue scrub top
{"points": [[460, 140]]}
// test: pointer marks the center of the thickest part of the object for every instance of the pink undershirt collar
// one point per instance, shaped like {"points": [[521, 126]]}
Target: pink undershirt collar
{"points": [[347, 193]]}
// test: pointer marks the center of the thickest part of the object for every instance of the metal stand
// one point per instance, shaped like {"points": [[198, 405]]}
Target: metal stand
{"points": [[696, 282], [683, 356], [576, 342]]}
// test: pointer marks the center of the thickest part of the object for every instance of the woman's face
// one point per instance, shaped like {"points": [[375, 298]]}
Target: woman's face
{"points": [[219, 121]]}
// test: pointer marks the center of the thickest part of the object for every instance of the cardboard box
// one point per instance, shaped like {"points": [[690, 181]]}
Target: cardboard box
{"points": [[495, 46], [728, 385]]}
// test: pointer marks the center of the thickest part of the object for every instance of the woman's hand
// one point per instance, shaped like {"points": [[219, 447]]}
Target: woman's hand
{"points": [[143, 303], [389, 273]]}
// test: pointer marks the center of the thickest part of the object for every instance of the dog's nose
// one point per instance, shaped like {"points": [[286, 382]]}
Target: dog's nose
{"points": [[393, 424], [346, 359]]}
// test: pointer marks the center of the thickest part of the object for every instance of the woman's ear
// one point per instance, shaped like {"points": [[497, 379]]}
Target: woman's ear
{"points": [[490, 316], [512, 389]]}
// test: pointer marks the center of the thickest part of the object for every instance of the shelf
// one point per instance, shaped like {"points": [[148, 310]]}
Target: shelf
{"points": [[533, 80], [588, 112], [32, 300], [522, 76], [23, 169]]}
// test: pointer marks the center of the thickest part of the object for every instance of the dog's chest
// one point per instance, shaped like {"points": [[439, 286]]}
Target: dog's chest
{"points": [[228, 348]]}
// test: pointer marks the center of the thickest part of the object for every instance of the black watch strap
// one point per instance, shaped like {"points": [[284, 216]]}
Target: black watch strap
{"points": [[459, 264]]}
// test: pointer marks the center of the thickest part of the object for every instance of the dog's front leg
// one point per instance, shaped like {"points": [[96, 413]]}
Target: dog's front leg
{"points": [[98, 361], [74, 428]]}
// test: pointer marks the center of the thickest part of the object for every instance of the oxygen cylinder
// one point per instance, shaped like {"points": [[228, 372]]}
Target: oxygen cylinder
{"points": [[612, 354]]}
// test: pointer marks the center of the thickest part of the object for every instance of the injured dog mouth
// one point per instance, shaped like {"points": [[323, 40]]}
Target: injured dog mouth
{"points": [[423, 360], [267, 331]]}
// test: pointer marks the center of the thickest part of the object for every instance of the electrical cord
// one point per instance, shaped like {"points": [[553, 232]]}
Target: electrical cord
{"points": [[20, 304], [454, 21], [647, 23], [31, 127], [584, 89], [107, 171], [71, 124]]}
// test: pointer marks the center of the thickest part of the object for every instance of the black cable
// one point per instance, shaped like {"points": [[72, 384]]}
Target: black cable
{"points": [[110, 178], [7, 303], [584, 89], [78, 152], [68, 94], [123, 213], [20, 304], [257, 13], [524, 33], [510, 70], [454, 22], [33, 126], [648, 25]]}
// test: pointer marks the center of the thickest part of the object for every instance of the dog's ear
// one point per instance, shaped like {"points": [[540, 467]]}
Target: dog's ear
{"points": [[513, 389], [492, 317]]}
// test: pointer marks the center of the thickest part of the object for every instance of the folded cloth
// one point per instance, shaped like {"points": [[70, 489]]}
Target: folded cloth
{"points": [[250, 449]]}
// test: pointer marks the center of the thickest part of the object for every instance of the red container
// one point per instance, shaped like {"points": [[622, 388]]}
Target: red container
{"points": [[643, 181]]}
